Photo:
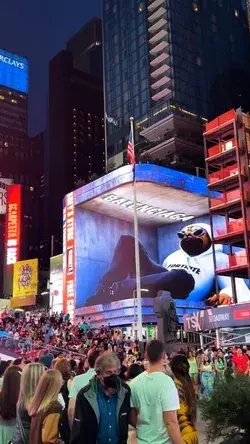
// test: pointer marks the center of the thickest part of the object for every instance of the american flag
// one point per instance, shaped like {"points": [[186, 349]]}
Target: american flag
{"points": [[131, 149]]}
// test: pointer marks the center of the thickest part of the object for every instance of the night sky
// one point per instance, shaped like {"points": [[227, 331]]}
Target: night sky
{"points": [[39, 29]]}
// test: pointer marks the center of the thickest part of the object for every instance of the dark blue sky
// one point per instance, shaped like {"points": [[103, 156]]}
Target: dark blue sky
{"points": [[39, 29]]}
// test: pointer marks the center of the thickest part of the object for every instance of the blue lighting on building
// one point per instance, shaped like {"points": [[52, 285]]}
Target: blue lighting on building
{"points": [[13, 71]]}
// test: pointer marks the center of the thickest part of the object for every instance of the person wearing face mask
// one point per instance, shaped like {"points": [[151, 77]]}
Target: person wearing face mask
{"points": [[102, 408]]}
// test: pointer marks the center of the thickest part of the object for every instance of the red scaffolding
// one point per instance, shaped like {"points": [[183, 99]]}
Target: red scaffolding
{"points": [[227, 146]]}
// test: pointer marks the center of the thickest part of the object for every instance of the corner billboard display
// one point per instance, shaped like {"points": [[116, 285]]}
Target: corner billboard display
{"points": [[13, 71], [175, 242], [69, 255]]}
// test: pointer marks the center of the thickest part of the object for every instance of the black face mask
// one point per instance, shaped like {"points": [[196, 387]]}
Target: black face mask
{"points": [[111, 381], [193, 246]]}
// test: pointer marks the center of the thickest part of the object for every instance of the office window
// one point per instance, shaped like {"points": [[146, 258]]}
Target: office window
{"points": [[195, 7], [141, 7]]}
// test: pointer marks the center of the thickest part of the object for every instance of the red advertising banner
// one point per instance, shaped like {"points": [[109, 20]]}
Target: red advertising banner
{"points": [[13, 224], [69, 255], [239, 314]]}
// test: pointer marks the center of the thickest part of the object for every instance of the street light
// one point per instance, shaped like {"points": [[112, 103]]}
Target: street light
{"points": [[139, 324]]}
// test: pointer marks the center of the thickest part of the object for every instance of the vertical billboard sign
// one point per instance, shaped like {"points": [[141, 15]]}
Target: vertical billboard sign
{"points": [[13, 224], [69, 255], [56, 283]]}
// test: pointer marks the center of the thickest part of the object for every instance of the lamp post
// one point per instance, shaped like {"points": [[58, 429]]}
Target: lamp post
{"points": [[139, 318]]}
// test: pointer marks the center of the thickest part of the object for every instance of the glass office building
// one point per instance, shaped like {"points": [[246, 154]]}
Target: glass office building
{"points": [[163, 57]]}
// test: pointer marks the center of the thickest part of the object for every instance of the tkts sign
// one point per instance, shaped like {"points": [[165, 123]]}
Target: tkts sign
{"points": [[194, 322], [69, 255], [13, 224]]}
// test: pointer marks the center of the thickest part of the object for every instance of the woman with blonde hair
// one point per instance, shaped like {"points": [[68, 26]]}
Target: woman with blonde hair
{"points": [[29, 380], [45, 410]]}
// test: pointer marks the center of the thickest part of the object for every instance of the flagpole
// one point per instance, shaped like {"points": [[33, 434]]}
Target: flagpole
{"points": [[137, 253]]}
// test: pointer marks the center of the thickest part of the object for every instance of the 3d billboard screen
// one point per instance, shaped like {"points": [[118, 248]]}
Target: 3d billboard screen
{"points": [[13, 71], [176, 258], [174, 234]]}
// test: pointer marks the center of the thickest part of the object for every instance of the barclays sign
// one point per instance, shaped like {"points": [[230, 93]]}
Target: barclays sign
{"points": [[14, 71], [12, 62]]}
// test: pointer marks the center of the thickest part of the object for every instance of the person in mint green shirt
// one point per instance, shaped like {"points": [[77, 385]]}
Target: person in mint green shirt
{"points": [[155, 401], [79, 382]]}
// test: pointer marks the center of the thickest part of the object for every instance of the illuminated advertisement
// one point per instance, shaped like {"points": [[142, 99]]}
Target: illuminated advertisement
{"points": [[223, 317], [25, 278], [3, 193], [69, 255], [175, 244], [13, 224], [13, 71], [56, 283]]}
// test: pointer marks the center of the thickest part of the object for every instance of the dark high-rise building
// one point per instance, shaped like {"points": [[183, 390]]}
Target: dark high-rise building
{"points": [[86, 48], [171, 64], [13, 91], [21, 156], [76, 133]]}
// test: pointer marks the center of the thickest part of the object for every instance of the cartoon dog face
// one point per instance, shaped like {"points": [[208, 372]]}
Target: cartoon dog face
{"points": [[194, 240]]}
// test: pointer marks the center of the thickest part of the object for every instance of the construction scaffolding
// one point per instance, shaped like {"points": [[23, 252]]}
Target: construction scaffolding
{"points": [[227, 147]]}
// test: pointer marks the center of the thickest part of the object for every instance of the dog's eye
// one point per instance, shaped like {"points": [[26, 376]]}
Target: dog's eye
{"points": [[181, 235], [198, 232]]}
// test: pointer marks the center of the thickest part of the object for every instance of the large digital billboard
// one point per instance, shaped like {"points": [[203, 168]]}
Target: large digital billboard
{"points": [[13, 71], [25, 279], [175, 243], [13, 224]]}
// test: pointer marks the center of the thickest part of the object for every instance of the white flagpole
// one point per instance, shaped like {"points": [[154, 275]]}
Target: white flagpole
{"points": [[137, 254]]}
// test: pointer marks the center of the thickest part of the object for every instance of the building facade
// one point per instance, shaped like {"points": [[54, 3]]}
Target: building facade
{"points": [[76, 135], [168, 58]]}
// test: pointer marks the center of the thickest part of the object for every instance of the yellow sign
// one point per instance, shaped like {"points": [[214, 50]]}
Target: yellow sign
{"points": [[25, 278]]}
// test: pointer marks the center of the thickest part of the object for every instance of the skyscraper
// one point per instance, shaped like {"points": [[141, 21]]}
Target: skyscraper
{"points": [[172, 64], [86, 48], [21, 156], [76, 129]]}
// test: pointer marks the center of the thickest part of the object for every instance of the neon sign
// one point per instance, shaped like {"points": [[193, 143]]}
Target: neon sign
{"points": [[147, 209], [13, 224]]}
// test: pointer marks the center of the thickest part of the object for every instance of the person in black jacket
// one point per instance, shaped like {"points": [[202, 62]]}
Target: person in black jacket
{"points": [[103, 407]]}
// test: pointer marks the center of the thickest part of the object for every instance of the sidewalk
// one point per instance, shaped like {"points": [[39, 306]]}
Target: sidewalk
{"points": [[201, 426]]}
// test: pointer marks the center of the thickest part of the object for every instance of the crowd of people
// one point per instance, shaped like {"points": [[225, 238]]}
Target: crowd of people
{"points": [[36, 329], [54, 400], [211, 365], [103, 387]]}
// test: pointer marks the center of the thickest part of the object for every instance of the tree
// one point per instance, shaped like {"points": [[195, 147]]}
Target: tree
{"points": [[227, 411]]}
